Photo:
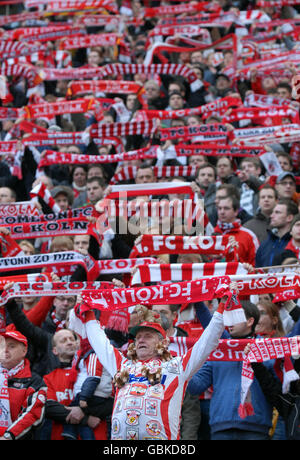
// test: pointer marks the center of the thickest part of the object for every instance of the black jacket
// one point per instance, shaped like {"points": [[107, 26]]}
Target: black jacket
{"points": [[288, 404], [42, 360]]}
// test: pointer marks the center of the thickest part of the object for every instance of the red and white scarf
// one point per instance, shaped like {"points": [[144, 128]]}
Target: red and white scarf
{"points": [[206, 133], [52, 109], [86, 41], [154, 273], [120, 298], [152, 152], [18, 208], [53, 228], [154, 188], [151, 245], [30, 73], [48, 288], [44, 34], [30, 278], [259, 115], [32, 216], [41, 191], [59, 323], [53, 157], [129, 172], [219, 107], [152, 69], [5, 415], [262, 349]]}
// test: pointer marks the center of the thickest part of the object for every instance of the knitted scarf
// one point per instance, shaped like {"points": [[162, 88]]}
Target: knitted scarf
{"points": [[59, 323], [227, 226]]}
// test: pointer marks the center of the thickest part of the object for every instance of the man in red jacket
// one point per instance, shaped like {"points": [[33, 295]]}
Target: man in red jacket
{"points": [[23, 393], [228, 224]]}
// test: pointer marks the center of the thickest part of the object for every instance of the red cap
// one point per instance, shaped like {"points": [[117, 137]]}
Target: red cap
{"points": [[150, 325], [16, 335]]}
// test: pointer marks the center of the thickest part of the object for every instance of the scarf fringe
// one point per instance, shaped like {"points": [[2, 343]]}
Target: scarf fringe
{"points": [[245, 410]]}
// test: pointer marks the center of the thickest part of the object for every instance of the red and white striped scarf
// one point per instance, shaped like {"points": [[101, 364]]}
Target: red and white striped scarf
{"points": [[129, 172], [151, 69], [41, 191], [30, 73], [144, 128], [12, 49], [187, 271], [59, 323]]}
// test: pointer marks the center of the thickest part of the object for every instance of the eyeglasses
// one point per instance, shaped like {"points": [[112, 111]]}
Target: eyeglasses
{"points": [[290, 183]]}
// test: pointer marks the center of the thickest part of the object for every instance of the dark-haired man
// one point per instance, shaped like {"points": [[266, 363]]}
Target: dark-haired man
{"points": [[279, 233]]}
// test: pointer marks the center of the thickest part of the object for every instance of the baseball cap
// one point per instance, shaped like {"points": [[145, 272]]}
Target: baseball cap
{"points": [[150, 325], [284, 175], [63, 189], [16, 335]]}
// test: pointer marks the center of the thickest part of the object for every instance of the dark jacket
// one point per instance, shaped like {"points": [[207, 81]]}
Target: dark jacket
{"points": [[40, 355], [226, 380], [269, 248], [259, 225], [288, 404]]}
